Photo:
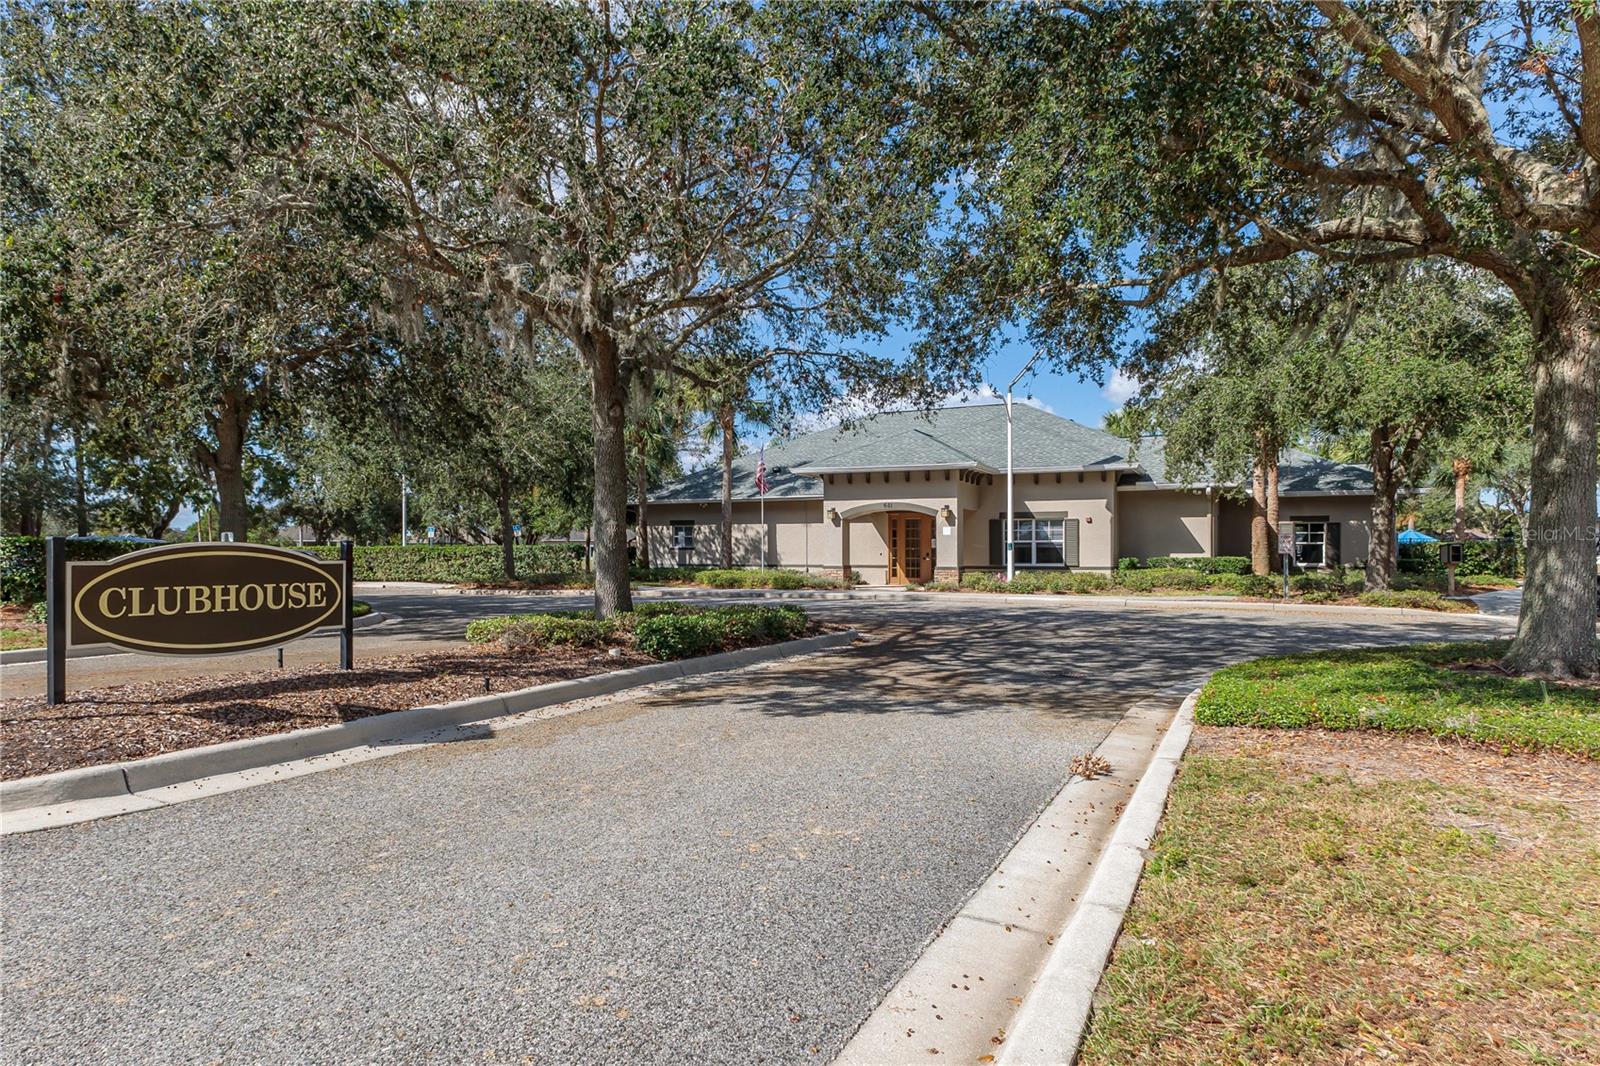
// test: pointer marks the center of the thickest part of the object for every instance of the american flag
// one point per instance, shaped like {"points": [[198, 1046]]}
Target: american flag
{"points": [[761, 471]]}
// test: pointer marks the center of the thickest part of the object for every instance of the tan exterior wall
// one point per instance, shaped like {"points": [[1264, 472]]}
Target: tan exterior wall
{"points": [[1353, 513], [1152, 522], [1111, 524], [795, 537], [1091, 501]]}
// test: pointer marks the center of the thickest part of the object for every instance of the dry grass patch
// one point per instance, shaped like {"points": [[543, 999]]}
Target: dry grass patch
{"points": [[1297, 910]]}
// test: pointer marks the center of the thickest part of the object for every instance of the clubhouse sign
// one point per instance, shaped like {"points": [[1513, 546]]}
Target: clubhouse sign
{"points": [[203, 599]]}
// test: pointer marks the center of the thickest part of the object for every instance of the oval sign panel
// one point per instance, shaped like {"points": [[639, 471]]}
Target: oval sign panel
{"points": [[203, 599]]}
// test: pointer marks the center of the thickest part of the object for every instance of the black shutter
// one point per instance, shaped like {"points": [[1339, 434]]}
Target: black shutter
{"points": [[1332, 553], [1069, 544], [997, 543]]}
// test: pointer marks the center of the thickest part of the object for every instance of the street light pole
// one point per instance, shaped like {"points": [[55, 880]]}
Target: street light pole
{"points": [[1011, 510], [404, 526]]}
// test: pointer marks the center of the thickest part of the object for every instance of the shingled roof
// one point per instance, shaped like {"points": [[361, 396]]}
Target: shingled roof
{"points": [[1299, 472], [968, 438]]}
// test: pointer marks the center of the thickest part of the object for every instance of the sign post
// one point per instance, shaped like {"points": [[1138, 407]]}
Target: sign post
{"points": [[1285, 551], [347, 631], [55, 620]]}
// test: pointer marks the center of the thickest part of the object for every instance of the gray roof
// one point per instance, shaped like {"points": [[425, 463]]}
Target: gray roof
{"points": [[1298, 471], [972, 438]]}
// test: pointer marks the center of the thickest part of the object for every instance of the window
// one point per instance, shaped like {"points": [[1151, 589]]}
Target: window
{"points": [[683, 536], [1041, 542], [1311, 542]]}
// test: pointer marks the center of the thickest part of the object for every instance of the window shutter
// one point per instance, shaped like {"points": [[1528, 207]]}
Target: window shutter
{"points": [[1069, 546], [1332, 556], [997, 543]]}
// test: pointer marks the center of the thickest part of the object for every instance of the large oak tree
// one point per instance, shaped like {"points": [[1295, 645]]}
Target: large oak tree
{"points": [[627, 174], [1115, 154]]}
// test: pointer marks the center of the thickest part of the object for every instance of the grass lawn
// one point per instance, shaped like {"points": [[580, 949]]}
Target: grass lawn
{"points": [[25, 637], [1299, 911], [1423, 688]]}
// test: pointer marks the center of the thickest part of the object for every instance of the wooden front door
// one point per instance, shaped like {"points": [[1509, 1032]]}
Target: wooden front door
{"points": [[910, 548]]}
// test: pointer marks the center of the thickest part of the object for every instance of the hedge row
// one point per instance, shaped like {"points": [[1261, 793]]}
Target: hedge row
{"points": [[1205, 564], [22, 562], [1164, 580], [737, 578], [1499, 557], [659, 630], [453, 564]]}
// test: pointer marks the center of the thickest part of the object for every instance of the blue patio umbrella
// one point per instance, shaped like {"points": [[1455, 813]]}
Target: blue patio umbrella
{"points": [[1411, 536]]}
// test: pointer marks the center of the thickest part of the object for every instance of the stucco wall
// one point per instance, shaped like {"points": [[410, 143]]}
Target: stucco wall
{"points": [[1158, 522], [1090, 501], [794, 533], [1353, 513]]}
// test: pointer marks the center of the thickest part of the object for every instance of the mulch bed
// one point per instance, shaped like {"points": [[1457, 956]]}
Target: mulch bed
{"points": [[122, 722]]}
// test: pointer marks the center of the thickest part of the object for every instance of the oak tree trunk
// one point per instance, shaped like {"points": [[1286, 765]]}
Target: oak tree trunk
{"points": [[725, 420], [159, 527], [1461, 470], [508, 550], [1260, 552], [1555, 631], [80, 499], [1385, 488], [608, 398], [641, 525], [1273, 502], [232, 423]]}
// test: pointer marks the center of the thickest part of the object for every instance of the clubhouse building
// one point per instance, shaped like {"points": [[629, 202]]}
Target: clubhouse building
{"points": [[904, 499]]}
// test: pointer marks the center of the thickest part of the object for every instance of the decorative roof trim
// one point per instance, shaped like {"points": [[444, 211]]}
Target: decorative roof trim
{"points": [[668, 501], [807, 470]]}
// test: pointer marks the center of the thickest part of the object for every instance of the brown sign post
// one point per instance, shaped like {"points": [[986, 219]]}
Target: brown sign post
{"points": [[193, 599]]}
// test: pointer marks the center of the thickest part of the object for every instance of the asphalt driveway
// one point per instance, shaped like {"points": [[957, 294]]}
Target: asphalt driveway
{"points": [[729, 872]]}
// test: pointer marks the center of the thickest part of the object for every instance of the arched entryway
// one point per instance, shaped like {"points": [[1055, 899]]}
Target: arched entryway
{"points": [[911, 547]]}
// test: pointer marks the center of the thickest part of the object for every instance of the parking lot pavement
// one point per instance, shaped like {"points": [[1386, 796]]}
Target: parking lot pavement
{"points": [[733, 871]]}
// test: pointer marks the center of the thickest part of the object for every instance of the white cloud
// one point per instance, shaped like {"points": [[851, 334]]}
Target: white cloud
{"points": [[987, 394], [1121, 388]]}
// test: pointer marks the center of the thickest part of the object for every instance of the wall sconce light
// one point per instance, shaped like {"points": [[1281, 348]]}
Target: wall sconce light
{"points": [[833, 516], [947, 516]]}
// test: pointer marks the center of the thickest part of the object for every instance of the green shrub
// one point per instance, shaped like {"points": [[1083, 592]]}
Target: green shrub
{"points": [[1128, 562], [1083, 583], [453, 564], [22, 562], [983, 581], [1161, 580], [1417, 598], [678, 636], [660, 630], [579, 628], [762, 625], [1257, 585], [737, 578], [1205, 564]]}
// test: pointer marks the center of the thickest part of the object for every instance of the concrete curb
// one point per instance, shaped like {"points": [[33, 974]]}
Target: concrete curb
{"points": [[1050, 1024], [120, 781], [36, 655], [1043, 599]]}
